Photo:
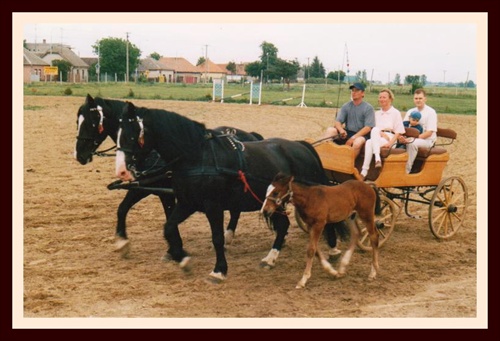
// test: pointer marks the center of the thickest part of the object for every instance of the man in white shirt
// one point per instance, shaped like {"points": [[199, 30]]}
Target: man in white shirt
{"points": [[428, 121]]}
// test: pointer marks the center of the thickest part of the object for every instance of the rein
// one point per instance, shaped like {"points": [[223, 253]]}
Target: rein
{"points": [[103, 152]]}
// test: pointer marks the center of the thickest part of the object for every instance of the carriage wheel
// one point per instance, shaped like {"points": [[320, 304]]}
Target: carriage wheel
{"points": [[300, 222], [384, 223], [447, 207]]}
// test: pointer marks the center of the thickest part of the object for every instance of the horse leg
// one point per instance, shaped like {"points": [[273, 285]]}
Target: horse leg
{"points": [[331, 239], [281, 224], [314, 234], [326, 264], [374, 243], [168, 203], [122, 243], [215, 216], [231, 227], [173, 237], [354, 233]]}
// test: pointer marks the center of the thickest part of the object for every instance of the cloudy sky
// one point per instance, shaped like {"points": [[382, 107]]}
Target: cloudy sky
{"points": [[443, 46]]}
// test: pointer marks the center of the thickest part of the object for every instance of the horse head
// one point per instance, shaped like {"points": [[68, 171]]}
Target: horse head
{"points": [[132, 146], [278, 194], [90, 130]]}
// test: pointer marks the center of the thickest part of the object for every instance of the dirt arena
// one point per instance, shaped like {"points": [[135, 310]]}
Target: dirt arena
{"points": [[71, 269]]}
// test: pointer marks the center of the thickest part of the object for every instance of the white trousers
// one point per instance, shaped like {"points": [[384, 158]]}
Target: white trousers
{"points": [[412, 150], [372, 146]]}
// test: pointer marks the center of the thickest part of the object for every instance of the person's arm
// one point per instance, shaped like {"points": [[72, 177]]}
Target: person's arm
{"points": [[340, 129], [362, 132], [425, 134]]}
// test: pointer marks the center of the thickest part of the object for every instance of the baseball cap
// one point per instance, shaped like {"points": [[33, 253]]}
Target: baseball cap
{"points": [[357, 86], [416, 115]]}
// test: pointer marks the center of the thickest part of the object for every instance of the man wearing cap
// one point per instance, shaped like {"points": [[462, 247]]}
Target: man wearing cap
{"points": [[428, 121], [354, 121]]}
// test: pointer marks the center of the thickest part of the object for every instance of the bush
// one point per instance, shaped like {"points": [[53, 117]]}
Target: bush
{"points": [[130, 93], [68, 91]]}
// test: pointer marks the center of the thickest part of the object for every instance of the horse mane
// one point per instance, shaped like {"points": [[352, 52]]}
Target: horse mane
{"points": [[310, 147], [185, 135]]}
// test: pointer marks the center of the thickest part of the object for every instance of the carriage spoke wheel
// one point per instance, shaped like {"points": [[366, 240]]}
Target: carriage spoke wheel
{"points": [[384, 222], [447, 207], [300, 222]]}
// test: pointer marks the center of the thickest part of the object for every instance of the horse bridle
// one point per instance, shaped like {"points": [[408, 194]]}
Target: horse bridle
{"points": [[282, 200], [100, 129]]}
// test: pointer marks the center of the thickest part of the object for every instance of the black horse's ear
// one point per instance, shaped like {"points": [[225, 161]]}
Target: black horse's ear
{"points": [[89, 99], [130, 109]]}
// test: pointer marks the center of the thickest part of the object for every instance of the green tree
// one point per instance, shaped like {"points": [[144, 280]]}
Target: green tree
{"points": [[63, 68], [423, 79], [337, 75], [361, 77], [415, 81], [268, 59], [200, 61], [286, 70], [113, 55], [231, 67], [254, 69], [397, 79], [155, 56], [316, 69]]}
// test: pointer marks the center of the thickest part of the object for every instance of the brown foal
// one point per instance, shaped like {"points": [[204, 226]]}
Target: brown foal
{"points": [[318, 205]]}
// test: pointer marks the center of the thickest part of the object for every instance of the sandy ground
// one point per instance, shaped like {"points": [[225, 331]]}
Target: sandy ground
{"points": [[70, 268]]}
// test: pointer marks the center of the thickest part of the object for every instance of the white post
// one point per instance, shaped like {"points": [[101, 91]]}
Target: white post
{"points": [[302, 104]]}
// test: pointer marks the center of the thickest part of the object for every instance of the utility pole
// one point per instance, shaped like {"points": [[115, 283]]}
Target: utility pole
{"points": [[206, 64], [126, 74], [98, 65], [308, 72]]}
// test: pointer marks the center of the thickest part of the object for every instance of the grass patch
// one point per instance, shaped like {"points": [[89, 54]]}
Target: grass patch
{"points": [[444, 100]]}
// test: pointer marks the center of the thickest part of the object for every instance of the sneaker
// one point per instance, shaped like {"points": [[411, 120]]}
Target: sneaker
{"points": [[378, 164]]}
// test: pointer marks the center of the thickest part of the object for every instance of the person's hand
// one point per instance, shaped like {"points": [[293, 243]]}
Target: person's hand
{"points": [[343, 134], [349, 142], [402, 140]]}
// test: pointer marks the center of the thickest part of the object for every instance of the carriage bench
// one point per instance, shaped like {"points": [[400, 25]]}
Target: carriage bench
{"points": [[340, 164]]}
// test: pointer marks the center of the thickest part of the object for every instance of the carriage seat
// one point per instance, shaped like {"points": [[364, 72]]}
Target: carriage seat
{"points": [[445, 137]]}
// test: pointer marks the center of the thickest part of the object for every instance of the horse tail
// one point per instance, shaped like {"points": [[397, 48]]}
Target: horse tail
{"points": [[378, 208]]}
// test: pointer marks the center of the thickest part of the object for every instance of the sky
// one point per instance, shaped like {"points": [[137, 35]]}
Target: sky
{"points": [[442, 46]]}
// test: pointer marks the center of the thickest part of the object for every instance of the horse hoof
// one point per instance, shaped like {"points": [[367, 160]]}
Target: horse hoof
{"points": [[185, 264], [265, 265], [299, 286], [216, 277], [123, 247]]}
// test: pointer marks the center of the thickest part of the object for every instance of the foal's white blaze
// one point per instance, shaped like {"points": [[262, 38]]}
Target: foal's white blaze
{"points": [[80, 122], [269, 190]]}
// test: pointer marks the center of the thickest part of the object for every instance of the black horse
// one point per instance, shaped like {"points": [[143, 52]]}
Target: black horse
{"points": [[97, 119], [212, 174]]}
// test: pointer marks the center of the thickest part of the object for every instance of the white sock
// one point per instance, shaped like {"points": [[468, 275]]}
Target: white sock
{"points": [[377, 157], [364, 172]]}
